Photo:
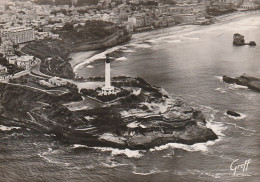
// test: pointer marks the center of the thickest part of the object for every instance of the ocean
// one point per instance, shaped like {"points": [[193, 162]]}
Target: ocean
{"points": [[188, 61]]}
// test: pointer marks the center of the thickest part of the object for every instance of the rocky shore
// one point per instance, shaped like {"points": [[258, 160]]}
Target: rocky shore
{"points": [[146, 118], [244, 80]]}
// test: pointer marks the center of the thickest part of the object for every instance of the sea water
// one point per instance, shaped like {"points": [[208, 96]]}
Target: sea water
{"points": [[188, 61]]}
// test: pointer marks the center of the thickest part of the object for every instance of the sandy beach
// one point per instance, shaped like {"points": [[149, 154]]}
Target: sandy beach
{"points": [[80, 59]]}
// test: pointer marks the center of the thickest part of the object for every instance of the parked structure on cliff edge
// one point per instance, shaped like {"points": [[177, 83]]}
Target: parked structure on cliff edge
{"points": [[108, 89]]}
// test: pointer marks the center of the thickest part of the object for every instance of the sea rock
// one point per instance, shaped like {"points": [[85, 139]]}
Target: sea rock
{"points": [[233, 113], [239, 40], [252, 43], [244, 80]]}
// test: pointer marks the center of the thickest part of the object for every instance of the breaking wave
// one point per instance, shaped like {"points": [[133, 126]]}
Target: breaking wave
{"points": [[235, 86], [221, 90], [121, 59], [174, 41], [140, 45], [114, 151], [101, 55], [89, 66], [216, 127], [153, 171], [202, 147]]}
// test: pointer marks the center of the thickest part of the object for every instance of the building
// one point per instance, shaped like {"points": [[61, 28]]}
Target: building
{"points": [[58, 82], [107, 89], [2, 9], [137, 20], [184, 18], [248, 5], [19, 35], [3, 69], [8, 48], [24, 61]]}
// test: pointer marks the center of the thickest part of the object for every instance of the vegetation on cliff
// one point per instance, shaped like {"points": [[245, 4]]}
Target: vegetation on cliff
{"points": [[54, 53], [90, 31], [141, 120]]}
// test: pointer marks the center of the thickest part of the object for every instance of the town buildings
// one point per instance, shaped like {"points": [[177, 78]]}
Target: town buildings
{"points": [[19, 35]]}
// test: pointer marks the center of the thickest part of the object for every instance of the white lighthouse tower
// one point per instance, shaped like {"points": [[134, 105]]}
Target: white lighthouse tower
{"points": [[107, 89]]}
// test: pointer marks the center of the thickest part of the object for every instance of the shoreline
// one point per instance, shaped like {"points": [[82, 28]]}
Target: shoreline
{"points": [[91, 56]]}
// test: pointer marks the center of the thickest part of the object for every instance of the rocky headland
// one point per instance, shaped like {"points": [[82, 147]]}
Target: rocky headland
{"points": [[244, 80], [145, 118], [74, 37]]}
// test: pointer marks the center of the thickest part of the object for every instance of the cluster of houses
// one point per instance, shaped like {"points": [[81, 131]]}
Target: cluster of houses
{"points": [[131, 13]]}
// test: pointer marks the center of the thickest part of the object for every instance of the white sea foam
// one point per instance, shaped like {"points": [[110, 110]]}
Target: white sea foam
{"points": [[220, 78], [174, 41], [101, 55], [190, 38], [113, 164], [235, 87], [241, 128], [154, 171], [121, 59], [151, 41], [8, 128], [216, 127], [90, 66], [140, 45], [202, 147], [114, 151], [221, 90], [128, 51], [167, 37], [53, 161]]}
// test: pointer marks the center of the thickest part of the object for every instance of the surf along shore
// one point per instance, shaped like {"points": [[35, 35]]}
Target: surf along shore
{"points": [[146, 118], [79, 59]]}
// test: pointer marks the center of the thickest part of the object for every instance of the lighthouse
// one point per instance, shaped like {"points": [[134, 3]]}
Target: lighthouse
{"points": [[108, 89]]}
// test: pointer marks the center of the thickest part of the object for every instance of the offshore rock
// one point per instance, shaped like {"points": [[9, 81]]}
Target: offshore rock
{"points": [[239, 40], [233, 113], [244, 80]]}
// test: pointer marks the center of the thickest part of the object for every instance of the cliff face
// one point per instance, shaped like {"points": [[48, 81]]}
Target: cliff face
{"points": [[54, 57], [114, 39], [144, 119], [56, 66], [93, 35]]}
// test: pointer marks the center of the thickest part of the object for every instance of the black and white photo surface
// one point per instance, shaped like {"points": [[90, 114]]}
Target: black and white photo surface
{"points": [[129, 90]]}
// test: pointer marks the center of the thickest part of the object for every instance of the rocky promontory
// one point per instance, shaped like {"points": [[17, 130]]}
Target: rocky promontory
{"points": [[244, 80], [145, 118], [74, 37]]}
